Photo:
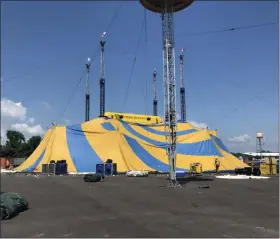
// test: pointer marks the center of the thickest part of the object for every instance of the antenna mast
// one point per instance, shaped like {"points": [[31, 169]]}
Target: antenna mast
{"points": [[182, 88], [87, 92], [155, 93], [102, 77]]}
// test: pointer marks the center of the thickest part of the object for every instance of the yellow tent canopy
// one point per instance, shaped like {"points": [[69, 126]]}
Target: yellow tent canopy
{"points": [[132, 146]]}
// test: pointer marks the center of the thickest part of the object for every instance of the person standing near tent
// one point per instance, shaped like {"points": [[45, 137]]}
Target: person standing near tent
{"points": [[7, 164], [217, 164]]}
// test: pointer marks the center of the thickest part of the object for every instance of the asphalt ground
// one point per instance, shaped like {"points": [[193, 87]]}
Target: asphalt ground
{"points": [[66, 206]]}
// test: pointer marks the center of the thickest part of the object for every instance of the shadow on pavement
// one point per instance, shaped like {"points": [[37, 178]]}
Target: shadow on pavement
{"points": [[186, 180]]}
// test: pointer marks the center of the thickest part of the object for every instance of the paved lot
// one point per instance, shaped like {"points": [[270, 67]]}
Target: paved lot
{"points": [[142, 207]]}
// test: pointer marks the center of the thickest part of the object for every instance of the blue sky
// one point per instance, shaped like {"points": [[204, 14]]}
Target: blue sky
{"points": [[45, 46]]}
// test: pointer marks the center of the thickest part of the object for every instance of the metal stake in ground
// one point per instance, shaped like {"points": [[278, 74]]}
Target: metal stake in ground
{"points": [[167, 8]]}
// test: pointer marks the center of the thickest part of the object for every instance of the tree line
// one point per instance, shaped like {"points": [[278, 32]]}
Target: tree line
{"points": [[16, 145]]}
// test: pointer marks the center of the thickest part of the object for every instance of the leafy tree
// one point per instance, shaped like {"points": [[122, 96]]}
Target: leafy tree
{"points": [[13, 144], [28, 148], [24, 150], [16, 145], [14, 139], [34, 142]]}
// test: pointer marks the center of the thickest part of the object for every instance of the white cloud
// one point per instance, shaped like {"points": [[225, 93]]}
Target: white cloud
{"points": [[242, 139], [199, 125], [26, 129], [31, 120], [14, 116], [194, 123], [12, 109], [47, 105], [67, 121]]}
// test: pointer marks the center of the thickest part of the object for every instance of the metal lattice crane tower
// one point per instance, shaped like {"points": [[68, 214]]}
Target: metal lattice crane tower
{"points": [[102, 76], [182, 88], [155, 93], [87, 111], [166, 8]]}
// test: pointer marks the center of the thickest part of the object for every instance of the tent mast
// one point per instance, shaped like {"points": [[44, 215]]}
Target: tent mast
{"points": [[87, 110], [155, 93], [102, 77]]}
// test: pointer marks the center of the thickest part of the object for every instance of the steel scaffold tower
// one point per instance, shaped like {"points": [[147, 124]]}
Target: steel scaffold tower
{"points": [[167, 8], [169, 89]]}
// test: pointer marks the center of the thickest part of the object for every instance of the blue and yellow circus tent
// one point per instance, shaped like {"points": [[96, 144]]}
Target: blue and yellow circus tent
{"points": [[132, 146]]}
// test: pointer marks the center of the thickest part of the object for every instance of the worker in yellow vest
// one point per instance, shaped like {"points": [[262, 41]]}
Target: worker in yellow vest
{"points": [[217, 164]]}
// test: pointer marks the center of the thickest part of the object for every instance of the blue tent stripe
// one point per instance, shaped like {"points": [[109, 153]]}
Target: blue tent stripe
{"points": [[219, 142], [203, 148], [83, 155], [108, 126], [179, 133], [35, 164], [147, 158]]}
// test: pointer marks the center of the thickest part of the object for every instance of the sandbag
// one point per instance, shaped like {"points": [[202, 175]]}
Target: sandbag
{"points": [[93, 178], [12, 204]]}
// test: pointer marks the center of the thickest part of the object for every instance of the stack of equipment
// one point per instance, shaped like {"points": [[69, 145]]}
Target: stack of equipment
{"points": [[61, 167], [110, 169], [45, 168], [52, 168], [48, 168], [195, 168], [100, 169], [180, 174], [240, 171], [256, 171], [107, 169], [93, 178], [248, 171], [268, 167], [58, 168]]}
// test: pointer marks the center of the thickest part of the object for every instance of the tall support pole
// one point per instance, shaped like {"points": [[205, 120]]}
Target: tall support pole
{"points": [[260, 144], [87, 92], [182, 88], [155, 93], [169, 89], [102, 77], [261, 148]]}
